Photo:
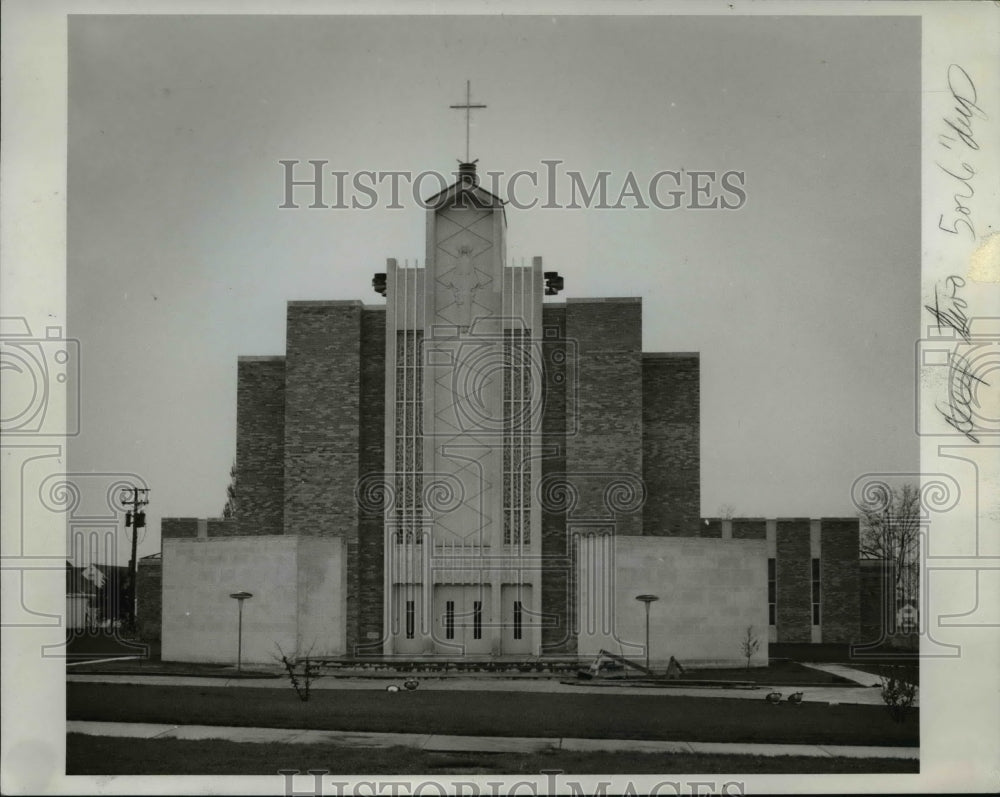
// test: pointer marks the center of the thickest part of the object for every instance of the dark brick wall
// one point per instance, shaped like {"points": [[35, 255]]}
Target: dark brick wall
{"points": [[710, 527], [558, 598], [874, 576], [368, 564], [220, 527], [322, 380], [178, 527], [322, 409], [260, 441], [794, 585], [753, 529], [671, 447], [605, 426], [839, 579], [149, 598]]}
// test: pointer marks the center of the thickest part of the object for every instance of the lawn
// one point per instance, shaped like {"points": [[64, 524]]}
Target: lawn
{"points": [[101, 755], [601, 715], [785, 673]]}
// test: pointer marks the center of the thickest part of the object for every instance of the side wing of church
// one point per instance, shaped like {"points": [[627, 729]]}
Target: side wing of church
{"points": [[475, 469]]}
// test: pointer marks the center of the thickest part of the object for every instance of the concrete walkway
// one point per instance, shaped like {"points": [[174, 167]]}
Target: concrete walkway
{"points": [[475, 744], [858, 676], [831, 695]]}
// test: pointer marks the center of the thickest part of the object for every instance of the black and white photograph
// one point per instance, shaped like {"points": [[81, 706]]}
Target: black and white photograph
{"points": [[595, 399]]}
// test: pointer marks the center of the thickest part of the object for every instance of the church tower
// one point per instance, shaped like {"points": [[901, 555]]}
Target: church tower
{"points": [[463, 424]]}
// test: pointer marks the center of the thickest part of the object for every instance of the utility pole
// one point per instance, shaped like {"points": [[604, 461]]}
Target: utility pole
{"points": [[135, 518]]}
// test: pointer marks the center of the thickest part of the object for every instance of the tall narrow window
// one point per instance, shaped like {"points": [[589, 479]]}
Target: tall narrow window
{"points": [[410, 611], [409, 446], [517, 619], [772, 592], [815, 591], [477, 620], [449, 620], [517, 385]]}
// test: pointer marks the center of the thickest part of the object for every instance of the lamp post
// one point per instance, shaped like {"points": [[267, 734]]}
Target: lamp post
{"points": [[647, 599], [240, 597]]}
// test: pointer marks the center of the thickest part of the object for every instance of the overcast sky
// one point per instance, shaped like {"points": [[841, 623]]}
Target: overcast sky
{"points": [[804, 303]]}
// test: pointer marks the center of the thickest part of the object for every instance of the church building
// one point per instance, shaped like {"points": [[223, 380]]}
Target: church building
{"points": [[470, 466]]}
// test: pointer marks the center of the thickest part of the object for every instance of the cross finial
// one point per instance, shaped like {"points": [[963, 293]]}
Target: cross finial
{"points": [[468, 108]]}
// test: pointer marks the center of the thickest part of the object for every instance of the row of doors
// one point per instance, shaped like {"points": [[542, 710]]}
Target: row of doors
{"points": [[462, 621]]}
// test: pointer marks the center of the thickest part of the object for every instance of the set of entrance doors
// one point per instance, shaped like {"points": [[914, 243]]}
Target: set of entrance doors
{"points": [[462, 620]]}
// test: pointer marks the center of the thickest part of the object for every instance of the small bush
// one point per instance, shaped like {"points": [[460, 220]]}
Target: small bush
{"points": [[301, 681], [749, 645], [897, 694]]}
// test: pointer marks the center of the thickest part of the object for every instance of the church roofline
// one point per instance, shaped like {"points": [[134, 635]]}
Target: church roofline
{"points": [[607, 299], [325, 302]]}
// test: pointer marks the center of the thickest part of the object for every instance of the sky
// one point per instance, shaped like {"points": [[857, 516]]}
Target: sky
{"points": [[803, 303]]}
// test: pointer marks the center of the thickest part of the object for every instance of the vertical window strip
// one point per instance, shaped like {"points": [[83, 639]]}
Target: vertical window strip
{"points": [[772, 592], [815, 592], [516, 437], [477, 620], [409, 437], [449, 620], [517, 619], [410, 624]]}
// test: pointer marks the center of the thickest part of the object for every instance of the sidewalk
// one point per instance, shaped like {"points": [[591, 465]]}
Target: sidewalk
{"points": [[475, 744]]}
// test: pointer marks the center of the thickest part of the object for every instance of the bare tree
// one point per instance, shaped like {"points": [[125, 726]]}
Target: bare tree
{"points": [[749, 645], [229, 510], [890, 531]]}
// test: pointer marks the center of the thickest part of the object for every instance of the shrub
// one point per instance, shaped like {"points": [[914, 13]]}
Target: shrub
{"points": [[897, 694], [300, 681], [749, 645]]}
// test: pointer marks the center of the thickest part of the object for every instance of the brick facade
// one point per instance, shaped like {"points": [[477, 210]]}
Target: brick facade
{"points": [[874, 615], [754, 529], [793, 580], [710, 528], [149, 598], [604, 420], [260, 443], [179, 527], [557, 564], [222, 527], [839, 579], [671, 445], [322, 398], [367, 562]]}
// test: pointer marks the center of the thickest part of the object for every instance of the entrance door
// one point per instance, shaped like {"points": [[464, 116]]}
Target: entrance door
{"points": [[517, 619], [462, 619], [407, 620]]}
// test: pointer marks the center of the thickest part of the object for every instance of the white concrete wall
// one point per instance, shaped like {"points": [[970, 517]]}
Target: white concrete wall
{"points": [[200, 619], [710, 591], [322, 596]]}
